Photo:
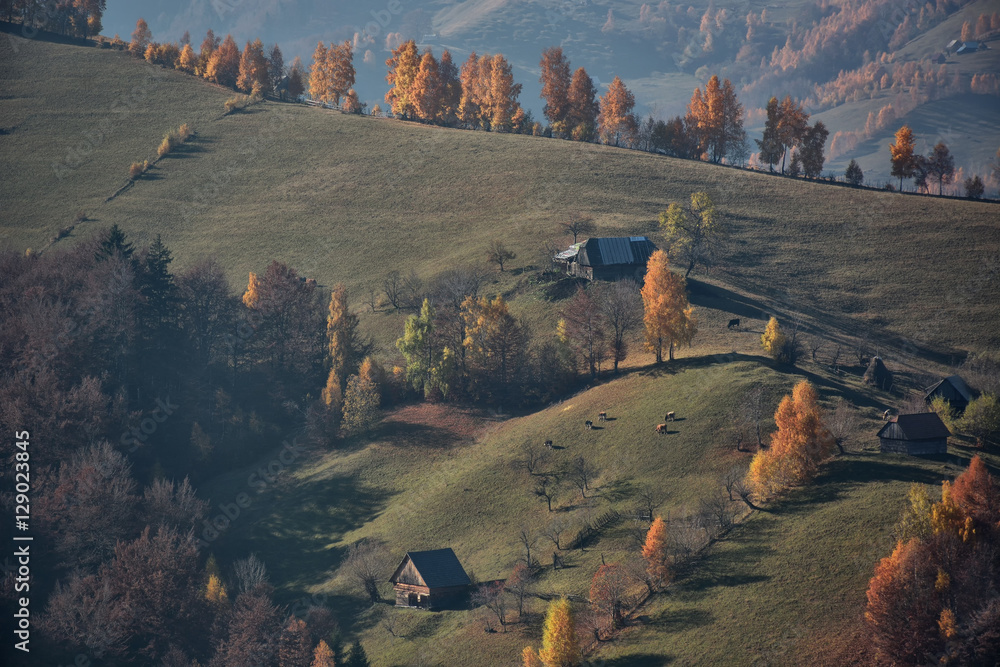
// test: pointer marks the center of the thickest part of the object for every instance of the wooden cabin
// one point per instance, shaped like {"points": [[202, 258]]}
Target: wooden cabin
{"points": [[611, 258], [917, 434], [429, 579], [952, 389]]}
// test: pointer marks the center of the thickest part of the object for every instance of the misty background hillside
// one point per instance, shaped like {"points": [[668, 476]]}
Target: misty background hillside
{"points": [[816, 51]]}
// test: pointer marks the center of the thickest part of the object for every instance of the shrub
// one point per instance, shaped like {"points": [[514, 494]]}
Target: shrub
{"points": [[974, 187], [165, 146], [137, 169], [185, 132], [233, 103]]}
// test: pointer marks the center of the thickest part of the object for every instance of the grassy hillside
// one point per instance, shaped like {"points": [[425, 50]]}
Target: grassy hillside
{"points": [[787, 584], [348, 198]]}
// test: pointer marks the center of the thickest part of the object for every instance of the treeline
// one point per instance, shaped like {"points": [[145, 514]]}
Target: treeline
{"points": [[75, 18], [256, 70]]}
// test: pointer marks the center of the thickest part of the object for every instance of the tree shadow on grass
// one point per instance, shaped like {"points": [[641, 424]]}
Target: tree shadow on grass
{"points": [[728, 567], [679, 620], [293, 528], [408, 434]]}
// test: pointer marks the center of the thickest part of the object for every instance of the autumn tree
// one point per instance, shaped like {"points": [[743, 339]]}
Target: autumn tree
{"points": [[141, 37], [559, 643], [361, 405], [499, 105], [294, 644], [555, 80], [793, 122], [773, 340], [800, 444], [669, 318], [208, 47], [853, 173], [716, 119], [323, 655], [450, 90], [901, 152], [608, 589], [655, 553], [581, 116], [941, 165], [223, 67], [691, 232], [977, 494], [616, 122], [253, 68], [427, 93], [403, 65], [903, 606], [518, 584], [188, 61], [319, 73], [473, 92], [340, 67], [296, 83]]}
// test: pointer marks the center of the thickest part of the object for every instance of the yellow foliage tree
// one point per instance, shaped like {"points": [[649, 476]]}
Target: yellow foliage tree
{"points": [[319, 74], [403, 66], [559, 644], [530, 658], [801, 442], [669, 318], [901, 154], [616, 123], [215, 591], [655, 553], [188, 60], [948, 518], [251, 298], [773, 339]]}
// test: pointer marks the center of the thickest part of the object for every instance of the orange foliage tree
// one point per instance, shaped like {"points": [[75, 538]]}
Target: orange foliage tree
{"points": [[801, 442], [608, 590], [616, 123], [559, 642], [654, 551], [555, 80], [581, 117], [224, 65], [901, 154], [403, 67], [669, 318]]}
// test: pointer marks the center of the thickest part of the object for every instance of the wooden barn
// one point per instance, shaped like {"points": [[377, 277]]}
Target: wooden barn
{"points": [[610, 258], [429, 579], [922, 433], [952, 389]]}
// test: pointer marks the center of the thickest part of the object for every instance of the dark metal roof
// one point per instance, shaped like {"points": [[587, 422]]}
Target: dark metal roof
{"points": [[438, 568], [921, 426], [616, 250], [950, 388]]}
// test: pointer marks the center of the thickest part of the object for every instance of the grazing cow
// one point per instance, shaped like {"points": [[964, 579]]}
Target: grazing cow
{"points": [[602, 416], [589, 424], [669, 417], [885, 416], [735, 322], [661, 429], [548, 444]]}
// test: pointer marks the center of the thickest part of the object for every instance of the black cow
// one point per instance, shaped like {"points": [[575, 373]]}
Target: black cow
{"points": [[734, 323]]}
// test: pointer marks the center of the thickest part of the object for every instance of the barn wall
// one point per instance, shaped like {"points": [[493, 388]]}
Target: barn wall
{"points": [[914, 447]]}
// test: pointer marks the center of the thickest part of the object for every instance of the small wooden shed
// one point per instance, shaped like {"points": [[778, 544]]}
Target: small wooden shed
{"points": [[952, 389], [922, 433], [429, 579]]}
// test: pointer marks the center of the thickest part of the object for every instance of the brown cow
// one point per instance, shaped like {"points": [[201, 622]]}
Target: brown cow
{"points": [[661, 429], [602, 416]]}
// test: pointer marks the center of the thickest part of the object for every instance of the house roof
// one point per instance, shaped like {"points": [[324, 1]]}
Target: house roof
{"points": [[438, 568], [957, 384], [616, 250], [921, 426]]}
